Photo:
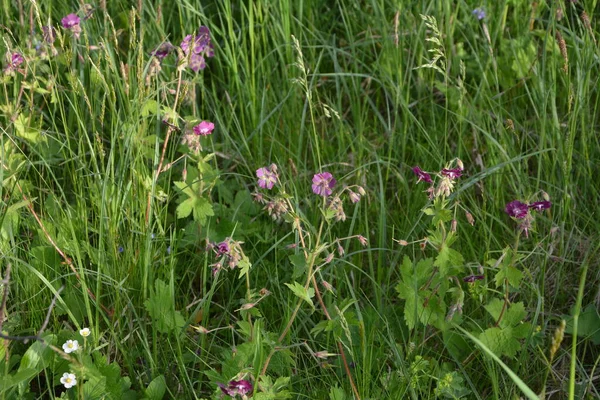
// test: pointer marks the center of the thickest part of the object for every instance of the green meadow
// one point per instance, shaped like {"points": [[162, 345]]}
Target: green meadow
{"points": [[304, 199]]}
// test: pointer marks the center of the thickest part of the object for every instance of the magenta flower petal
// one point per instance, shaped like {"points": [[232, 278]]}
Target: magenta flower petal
{"points": [[452, 173], [204, 128], [70, 21], [540, 205], [422, 175], [516, 209], [323, 184]]}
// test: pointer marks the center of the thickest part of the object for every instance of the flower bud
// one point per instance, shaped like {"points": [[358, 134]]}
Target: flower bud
{"points": [[327, 286], [362, 240], [454, 225], [200, 329], [340, 250], [545, 196], [402, 242], [354, 197], [361, 191], [184, 174], [470, 218], [329, 258], [460, 164]]}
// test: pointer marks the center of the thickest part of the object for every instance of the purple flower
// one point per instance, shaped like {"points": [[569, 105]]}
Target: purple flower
{"points": [[540, 205], [267, 178], [422, 175], [163, 50], [70, 21], [197, 48], [472, 278], [223, 248], [16, 59], [516, 209], [204, 128], [323, 184], [452, 173], [241, 387], [479, 13]]}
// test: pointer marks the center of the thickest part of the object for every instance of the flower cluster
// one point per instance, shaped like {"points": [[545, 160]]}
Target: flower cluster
{"points": [[197, 48], [268, 177], [520, 211], [234, 388], [446, 182], [71, 22], [229, 254]]}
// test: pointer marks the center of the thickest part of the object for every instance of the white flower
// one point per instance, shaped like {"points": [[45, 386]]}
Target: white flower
{"points": [[70, 346], [85, 332], [69, 380]]}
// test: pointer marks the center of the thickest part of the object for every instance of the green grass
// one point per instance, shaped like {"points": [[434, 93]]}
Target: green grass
{"points": [[85, 151]]}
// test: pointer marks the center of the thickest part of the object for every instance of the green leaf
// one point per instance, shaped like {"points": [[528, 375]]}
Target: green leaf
{"points": [[161, 308], [448, 258], [156, 389], [300, 291], [588, 324], [244, 266], [337, 393], [24, 130], [511, 274], [524, 388], [299, 263]]}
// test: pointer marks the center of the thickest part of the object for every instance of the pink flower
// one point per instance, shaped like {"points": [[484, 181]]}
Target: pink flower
{"points": [[267, 177], [422, 175], [204, 128], [70, 21], [323, 184]]}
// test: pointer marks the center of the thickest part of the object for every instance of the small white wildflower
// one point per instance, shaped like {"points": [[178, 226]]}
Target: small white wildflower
{"points": [[85, 332], [69, 380], [70, 346]]}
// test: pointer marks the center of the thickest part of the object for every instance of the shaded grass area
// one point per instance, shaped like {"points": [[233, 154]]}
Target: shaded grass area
{"points": [[507, 103]]}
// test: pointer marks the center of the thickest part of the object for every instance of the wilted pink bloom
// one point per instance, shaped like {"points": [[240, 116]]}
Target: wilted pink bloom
{"points": [[70, 21], [204, 128], [354, 197], [516, 209], [540, 205], [451, 173], [323, 184], [163, 50], [362, 240], [422, 175], [197, 48], [267, 178]]}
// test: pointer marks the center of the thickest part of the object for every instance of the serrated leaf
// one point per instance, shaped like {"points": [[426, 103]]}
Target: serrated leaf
{"points": [[588, 324], [500, 341], [447, 258], [185, 208], [303, 293], [244, 266], [161, 308], [511, 274]]}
